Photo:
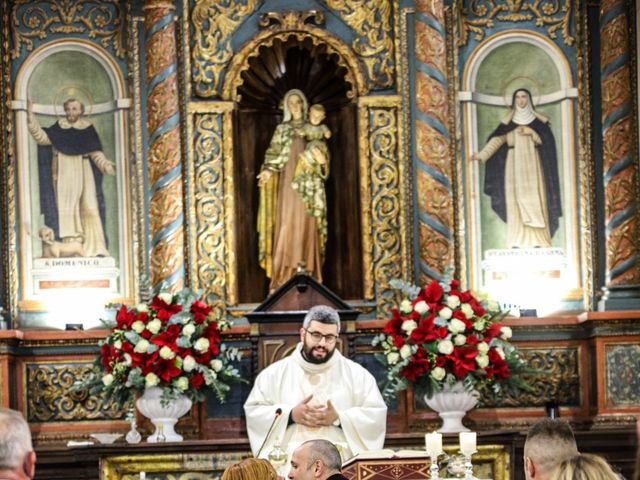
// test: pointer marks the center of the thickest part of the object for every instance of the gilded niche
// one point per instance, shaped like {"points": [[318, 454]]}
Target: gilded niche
{"points": [[100, 19], [476, 16]]}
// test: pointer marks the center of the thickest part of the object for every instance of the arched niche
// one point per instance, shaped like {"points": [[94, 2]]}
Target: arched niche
{"points": [[263, 71]]}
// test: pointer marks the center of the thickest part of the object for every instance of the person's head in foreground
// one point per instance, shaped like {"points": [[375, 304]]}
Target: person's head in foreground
{"points": [[17, 458], [585, 466], [317, 460], [549, 442], [250, 469]]}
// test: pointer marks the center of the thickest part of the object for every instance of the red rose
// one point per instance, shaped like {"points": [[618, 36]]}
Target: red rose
{"points": [[463, 360], [200, 310], [433, 292], [418, 366], [196, 380], [442, 332], [392, 327], [493, 331], [424, 332], [441, 361], [168, 337], [398, 341], [472, 340], [164, 310], [124, 318]]}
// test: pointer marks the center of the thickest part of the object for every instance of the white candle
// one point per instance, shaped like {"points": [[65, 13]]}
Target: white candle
{"points": [[434, 443], [468, 443]]}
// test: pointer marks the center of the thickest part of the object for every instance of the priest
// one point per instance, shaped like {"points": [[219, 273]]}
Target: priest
{"points": [[316, 393]]}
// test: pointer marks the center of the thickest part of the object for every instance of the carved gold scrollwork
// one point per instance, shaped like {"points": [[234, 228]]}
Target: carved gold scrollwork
{"points": [[48, 395], [291, 20], [214, 22], [104, 20], [371, 20], [557, 377], [384, 185], [477, 15], [208, 185]]}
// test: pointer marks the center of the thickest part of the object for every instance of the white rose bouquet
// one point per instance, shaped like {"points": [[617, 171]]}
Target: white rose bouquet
{"points": [[173, 343], [445, 335]]}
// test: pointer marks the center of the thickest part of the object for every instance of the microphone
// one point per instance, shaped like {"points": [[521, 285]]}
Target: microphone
{"points": [[275, 419]]}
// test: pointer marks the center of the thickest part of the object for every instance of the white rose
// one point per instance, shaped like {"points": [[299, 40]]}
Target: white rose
{"points": [[453, 301], [166, 297], [421, 307], [118, 344], [182, 383], [438, 373], [445, 347], [506, 333], [154, 326], [459, 340], [138, 326], [107, 379], [493, 306], [142, 307], [201, 345], [141, 346], [478, 325], [408, 326], [151, 380], [405, 351], [483, 348], [216, 364], [482, 360], [392, 358], [189, 363], [405, 306], [167, 353], [456, 326], [500, 352], [445, 313], [127, 359], [467, 310], [188, 330], [211, 377]]}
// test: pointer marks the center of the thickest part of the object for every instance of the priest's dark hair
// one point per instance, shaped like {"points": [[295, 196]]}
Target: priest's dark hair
{"points": [[322, 314]]}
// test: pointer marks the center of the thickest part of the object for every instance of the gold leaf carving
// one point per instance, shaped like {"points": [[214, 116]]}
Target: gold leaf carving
{"points": [[49, 396], [100, 19], [477, 15], [208, 184], [371, 21], [385, 204], [214, 22]]}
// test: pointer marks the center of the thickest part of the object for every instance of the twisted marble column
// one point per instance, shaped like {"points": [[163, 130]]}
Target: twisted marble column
{"points": [[619, 156], [164, 159], [434, 166]]}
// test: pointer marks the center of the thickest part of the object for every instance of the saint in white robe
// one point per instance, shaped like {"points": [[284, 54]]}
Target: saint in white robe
{"points": [[352, 390]]}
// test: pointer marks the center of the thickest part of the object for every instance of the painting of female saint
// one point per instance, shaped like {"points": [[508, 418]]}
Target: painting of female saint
{"points": [[292, 214], [521, 175], [71, 164]]}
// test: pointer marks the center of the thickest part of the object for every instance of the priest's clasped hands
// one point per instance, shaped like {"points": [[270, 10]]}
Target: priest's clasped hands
{"points": [[314, 415]]}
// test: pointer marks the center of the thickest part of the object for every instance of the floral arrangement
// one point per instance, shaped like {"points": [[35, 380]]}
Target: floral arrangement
{"points": [[172, 342], [443, 336]]}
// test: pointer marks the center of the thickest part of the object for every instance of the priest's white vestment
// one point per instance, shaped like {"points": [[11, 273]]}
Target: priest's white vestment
{"points": [[352, 390]]}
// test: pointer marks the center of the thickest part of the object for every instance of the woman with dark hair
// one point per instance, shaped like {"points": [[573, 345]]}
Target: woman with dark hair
{"points": [[521, 175]]}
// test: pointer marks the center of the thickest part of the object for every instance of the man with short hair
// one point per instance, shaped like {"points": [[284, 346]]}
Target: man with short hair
{"points": [[317, 460], [549, 442], [319, 393], [17, 458]]}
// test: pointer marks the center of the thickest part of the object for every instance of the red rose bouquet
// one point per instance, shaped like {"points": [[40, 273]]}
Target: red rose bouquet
{"points": [[172, 342], [445, 335]]}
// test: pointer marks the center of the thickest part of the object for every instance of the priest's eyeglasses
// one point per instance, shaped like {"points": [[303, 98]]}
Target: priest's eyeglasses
{"points": [[317, 337]]}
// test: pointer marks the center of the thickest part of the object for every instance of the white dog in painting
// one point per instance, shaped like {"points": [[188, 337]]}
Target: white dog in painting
{"points": [[51, 248]]}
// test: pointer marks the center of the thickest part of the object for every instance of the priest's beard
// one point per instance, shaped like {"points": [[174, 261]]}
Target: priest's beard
{"points": [[317, 354]]}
